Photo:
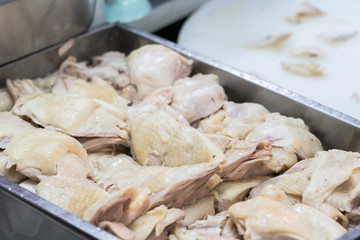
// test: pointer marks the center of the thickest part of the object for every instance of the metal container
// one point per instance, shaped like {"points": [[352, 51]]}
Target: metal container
{"points": [[334, 129], [27, 26]]}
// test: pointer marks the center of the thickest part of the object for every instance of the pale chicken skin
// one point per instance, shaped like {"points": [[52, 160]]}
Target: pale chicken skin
{"points": [[291, 134], [198, 97], [271, 215], [155, 66], [172, 186], [40, 153], [159, 139], [330, 177], [74, 115], [11, 125], [235, 120]]}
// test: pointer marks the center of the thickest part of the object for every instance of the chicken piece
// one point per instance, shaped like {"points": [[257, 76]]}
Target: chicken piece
{"points": [[118, 229], [210, 228], [172, 186], [155, 66], [337, 36], [29, 185], [155, 223], [236, 120], [198, 210], [70, 194], [123, 207], [198, 97], [159, 139], [231, 192], [245, 159], [330, 177], [45, 83], [8, 171], [39, 153], [335, 214], [270, 40], [280, 160], [11, 125], [19, 88], [96, 88], [76, 116], [307, 52], [6, 101], [113, 72], [291, 134], [271, 215], [308, 69]]}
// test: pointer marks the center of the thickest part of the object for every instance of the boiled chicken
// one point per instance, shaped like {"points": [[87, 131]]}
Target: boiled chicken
{"points": [[288, 133], [95, 88], [155, 66], [111, 67], [155, 224], [159, 139], [227, 193], [271, 215], [70, 194], [172, 186], [213, 227], [18, 88], [76, 116], [198, 97], [8, 170], [236, 120], [11, 125], [330, 177], [198, 210], [6, 101], [40, 153]]}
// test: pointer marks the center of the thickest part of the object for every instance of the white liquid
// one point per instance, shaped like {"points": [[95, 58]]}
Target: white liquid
{"points": [[222, 30]]}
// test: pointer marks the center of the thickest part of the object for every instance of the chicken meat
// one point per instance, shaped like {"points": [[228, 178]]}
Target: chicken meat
{"points": [[271, 215], [155, 66], [235, 120], [74, 115], [198, 97]]}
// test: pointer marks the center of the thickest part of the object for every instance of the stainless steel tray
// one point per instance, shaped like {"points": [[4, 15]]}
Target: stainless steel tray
{"points": [[24, 211]]}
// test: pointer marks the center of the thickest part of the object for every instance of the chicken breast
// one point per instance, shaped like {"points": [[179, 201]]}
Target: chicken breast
{"points": [[159, 139], [288, 133], [39, 153], [171, 186], [236, 120], [76, 116], [11, 125], [198, 97], [155, 66], [271, 215]]}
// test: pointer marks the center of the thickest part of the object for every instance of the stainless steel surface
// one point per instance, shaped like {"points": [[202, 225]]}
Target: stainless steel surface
{"points": [[27, 26], [335, 130]]}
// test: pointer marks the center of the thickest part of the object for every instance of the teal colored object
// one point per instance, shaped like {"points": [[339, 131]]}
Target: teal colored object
{"points": [[126, 11]]}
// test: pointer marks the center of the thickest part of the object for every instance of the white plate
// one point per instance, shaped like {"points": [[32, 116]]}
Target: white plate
{"points": [[223, 29]]}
